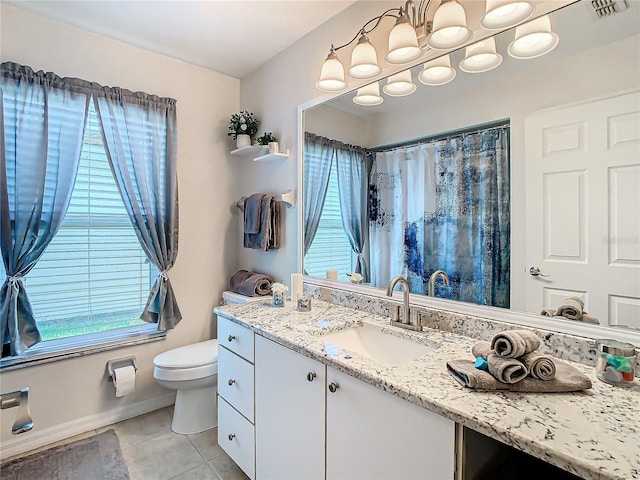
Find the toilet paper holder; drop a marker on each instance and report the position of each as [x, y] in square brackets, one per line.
[120, 362]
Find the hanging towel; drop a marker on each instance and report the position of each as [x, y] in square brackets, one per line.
[252, 213]
[540, 366]
[572, 308]
[515, 343]
[268, 236]
[250, 284]
[567, 379]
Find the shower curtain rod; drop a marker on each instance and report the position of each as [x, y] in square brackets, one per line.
[483, 127]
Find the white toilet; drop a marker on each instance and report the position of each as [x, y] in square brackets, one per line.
[192, 370]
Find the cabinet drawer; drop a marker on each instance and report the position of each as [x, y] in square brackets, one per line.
[236, 437]
[236, 338]
[235, 382]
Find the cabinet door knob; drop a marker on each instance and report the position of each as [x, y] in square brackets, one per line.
[311, 376]
[231, 338]
[333, 387]
[231, 381]
[231, 436]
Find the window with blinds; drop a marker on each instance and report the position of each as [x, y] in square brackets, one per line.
[330, 249]
[94, 276]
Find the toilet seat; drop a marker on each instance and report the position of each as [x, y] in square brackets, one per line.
[189, 362]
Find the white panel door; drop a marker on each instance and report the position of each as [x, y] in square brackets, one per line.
[583, 208]
[289, 414]
[373, 435]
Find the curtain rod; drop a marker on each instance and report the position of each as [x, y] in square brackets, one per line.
[482, 127]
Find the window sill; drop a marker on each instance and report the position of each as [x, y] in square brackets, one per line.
[64, 348]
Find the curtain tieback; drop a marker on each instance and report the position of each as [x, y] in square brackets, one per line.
[13, 280]
[164, 275]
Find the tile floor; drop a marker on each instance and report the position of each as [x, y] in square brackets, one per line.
[153, 452]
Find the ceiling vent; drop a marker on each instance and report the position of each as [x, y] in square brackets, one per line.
[608, 7]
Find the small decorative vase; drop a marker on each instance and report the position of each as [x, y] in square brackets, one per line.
[278, 299]
[243, 140]
[273, 147]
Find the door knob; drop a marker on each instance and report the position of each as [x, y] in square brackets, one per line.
[311, 376]
[333, 387]
[535, 272]
[231, 381]
[231, 338]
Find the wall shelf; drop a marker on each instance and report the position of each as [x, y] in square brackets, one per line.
[271, 156]
[250, 150]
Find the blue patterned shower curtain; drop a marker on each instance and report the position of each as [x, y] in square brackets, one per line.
[445, 204]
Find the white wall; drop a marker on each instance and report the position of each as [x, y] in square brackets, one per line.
[64, 393]
[274, 92]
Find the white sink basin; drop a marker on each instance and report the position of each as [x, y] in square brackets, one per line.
[371, 342]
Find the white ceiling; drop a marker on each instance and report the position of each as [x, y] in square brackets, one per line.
[233, 37]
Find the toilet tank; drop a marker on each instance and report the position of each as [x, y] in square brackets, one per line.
[231, 298]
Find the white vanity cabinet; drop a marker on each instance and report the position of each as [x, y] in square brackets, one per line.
[236, 432]
[370, 434]
[289, 413]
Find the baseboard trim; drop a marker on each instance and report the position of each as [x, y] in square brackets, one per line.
[37, 439]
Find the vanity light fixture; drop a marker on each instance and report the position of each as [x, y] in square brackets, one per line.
[403, 42]
[481, 57]
[331, 74]
[369, 95]
[364, 59]
[533, 39]
[408, 39]
[400, 84]
[437, 72]
[449, 26]
[502, 14]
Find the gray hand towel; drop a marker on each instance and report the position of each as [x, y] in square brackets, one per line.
[548, 312]
[571, 308]
[515, 343]
[540, 366]
[269, 235]
[589, 319]
[250, 284]
[567, 379]
[506, 370]
[482, 349]
[252, 213]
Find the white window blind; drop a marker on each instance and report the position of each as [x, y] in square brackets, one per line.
[330, 249]
[94, 275]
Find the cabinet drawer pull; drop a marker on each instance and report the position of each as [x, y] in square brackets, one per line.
[231, 436]
[333, 387]
[231, 338]
[311, 376]
[231, 381]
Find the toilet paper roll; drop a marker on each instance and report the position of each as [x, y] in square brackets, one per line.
[124, 379]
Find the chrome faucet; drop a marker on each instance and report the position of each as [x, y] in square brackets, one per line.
[432, 280]
[409, 321]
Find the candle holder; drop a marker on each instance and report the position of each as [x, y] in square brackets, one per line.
[304, 304]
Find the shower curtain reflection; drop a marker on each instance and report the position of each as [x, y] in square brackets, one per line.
[444, 204]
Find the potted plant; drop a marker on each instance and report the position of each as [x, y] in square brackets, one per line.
[242, 126]
[268, 138]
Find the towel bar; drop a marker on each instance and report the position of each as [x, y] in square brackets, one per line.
[288, 198]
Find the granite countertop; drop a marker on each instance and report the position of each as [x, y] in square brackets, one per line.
[594, 434]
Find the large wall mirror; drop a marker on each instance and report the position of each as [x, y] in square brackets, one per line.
[568, 189]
